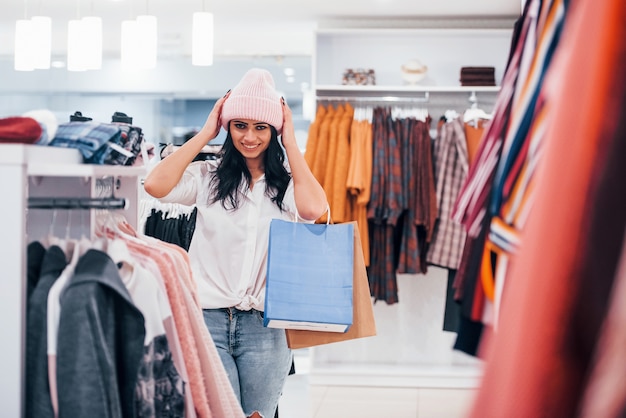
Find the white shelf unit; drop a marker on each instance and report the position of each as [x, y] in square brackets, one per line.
[443, 51]
[422, 357]
[377, 89]
[437, 99]
[37, 171]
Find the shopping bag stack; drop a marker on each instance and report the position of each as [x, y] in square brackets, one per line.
[310, 276]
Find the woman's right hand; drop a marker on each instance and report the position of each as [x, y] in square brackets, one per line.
[167, 173]
[213, 122]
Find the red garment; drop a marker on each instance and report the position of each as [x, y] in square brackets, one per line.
[533, 367]
[19, 130]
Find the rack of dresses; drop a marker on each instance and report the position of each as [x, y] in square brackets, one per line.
[30, 171]
[390, 171]
[43, 187]
[558, 344]
[355, 128]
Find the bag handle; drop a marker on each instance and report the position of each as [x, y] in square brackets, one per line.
[327, 216]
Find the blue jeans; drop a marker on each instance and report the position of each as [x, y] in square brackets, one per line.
[257, 359]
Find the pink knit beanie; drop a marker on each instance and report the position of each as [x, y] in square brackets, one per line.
[255, 97]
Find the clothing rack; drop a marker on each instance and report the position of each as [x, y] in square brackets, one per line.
[376, 99]
[77, 203]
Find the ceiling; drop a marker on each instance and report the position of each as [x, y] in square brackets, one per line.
[272, 34]
[242, 27]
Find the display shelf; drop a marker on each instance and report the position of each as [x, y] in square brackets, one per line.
[59, 162]
[83, 170]
[414, 31]
[436, 99]
[385, 50]
[20, 154]
[338, 88]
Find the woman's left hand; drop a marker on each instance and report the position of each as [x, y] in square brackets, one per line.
[288, 134]
[309, 195]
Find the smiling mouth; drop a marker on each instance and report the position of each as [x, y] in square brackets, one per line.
[250, 146]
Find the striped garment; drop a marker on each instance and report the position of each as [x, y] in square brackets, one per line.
[451, 168]
[87, 137]
[470, 207]
[101, 143]
[498, 192]
[511, 198]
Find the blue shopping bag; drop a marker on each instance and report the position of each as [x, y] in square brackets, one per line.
[309, 276]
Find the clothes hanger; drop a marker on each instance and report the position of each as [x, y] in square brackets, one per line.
[120, 254]
[450, 115]
[78, 117]
[66, 244]
[50, 240]
[358, 110]
[418, 113]
[474, 113]
[70, 245]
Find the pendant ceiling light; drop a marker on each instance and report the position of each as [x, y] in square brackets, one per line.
[75, 46]
[42, 41]
[139, 43]
[202, 39]
[33, 43]
[129, 45]
[84, 42]
[23, 59]
[92, 29]
[147, 33]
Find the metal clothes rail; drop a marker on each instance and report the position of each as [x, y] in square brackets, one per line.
[376, 99]
[77, 203]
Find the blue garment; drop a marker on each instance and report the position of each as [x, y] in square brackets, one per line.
[88, 137]
[101, 143]
[257, 359]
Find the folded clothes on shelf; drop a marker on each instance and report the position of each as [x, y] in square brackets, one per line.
[478, 76]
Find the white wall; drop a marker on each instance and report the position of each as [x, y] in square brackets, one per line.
[98, 94]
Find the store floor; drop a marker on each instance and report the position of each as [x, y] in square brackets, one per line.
[296, 399]
[302, 400]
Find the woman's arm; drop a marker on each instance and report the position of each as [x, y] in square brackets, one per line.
[309, 195]
[168, 172]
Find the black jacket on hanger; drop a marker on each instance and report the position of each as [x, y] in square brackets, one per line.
[38, 403]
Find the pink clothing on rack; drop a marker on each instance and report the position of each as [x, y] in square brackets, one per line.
[164, 261]
[222, 399]
[211, 390]
[183, 265]
[172, 336]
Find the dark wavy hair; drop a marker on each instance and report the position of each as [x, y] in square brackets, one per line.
[232, 170]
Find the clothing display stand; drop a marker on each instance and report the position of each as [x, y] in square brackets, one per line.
[55, 179]
[411, 358]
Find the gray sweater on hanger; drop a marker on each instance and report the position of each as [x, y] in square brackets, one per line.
[100, 342]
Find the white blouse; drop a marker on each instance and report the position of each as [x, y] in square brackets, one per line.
[228, 251]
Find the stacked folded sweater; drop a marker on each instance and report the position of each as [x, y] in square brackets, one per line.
[478, 76]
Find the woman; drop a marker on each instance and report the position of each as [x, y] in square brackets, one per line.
[237, 196]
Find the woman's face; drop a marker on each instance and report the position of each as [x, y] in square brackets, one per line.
[250, 137]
